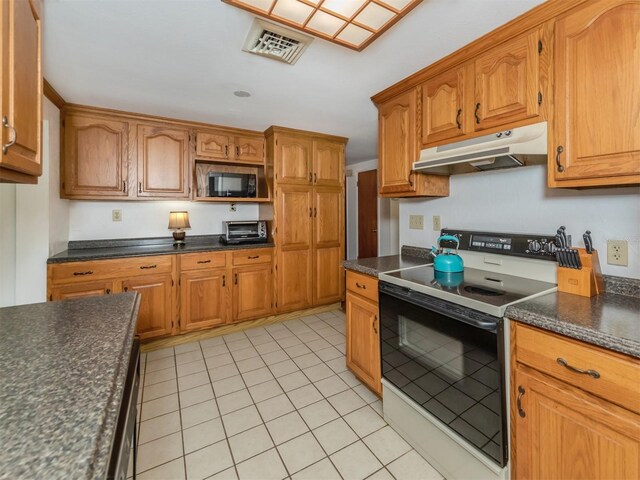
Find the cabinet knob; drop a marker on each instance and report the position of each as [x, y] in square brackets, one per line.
[5, 123]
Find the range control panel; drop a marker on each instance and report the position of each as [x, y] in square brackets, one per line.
[516, 244]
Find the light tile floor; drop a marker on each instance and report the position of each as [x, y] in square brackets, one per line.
[273, 402]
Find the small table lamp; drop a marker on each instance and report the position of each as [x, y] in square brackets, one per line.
[178, 221]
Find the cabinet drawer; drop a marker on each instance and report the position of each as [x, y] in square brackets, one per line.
[250, 257]
[364, 285]
[198, 261]
[76, 272]
[618, 375]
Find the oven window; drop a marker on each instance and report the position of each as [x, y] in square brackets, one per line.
[449, 368]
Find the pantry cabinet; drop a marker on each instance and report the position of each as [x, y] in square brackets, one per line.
[570, 423]
[328, 233]
[363, 330]
[595, 134]
[294, 159]
[21, 91]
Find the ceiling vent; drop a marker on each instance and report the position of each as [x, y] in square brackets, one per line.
[273, 41]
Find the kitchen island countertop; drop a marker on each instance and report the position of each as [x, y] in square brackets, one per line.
[64, 366]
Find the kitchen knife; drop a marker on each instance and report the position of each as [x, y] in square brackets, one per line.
[560, 239]
[569, 254]
[564, 236]
[588, 243]
[576, 255]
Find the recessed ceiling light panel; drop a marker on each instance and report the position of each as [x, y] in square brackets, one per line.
[241, 94]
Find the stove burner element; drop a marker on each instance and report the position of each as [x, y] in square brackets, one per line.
[486, 292]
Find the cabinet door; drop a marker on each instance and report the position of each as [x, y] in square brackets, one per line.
[214, 146]
[363, 341]
[249, 149]
[294, 275]
[252, 292]
[90, 289]
[507, 83]
[568, 434]
[163, 162]
[398, 145]
[203, 297]
[443, 115]
[21, 86]
[293, 159]
[328, 162]
[328, 233]
[95, 159]
[155, 317]
[596, 125]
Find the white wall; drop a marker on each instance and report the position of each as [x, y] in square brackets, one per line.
[92, 220]
[387, 215]
[7, 244]
[518, 200]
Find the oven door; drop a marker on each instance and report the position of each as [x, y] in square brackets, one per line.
[450, 361]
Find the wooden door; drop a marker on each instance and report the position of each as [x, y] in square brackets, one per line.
[294, 275]
[252, 291]
[81, 290]
[213, 146]
[368, 214]
[328, 238]
[155, 316]
[163, 162]
[568, 434]
[398, 146]
[96, 158]
[328, 161]
[293, 159]
[21, 86]
[443, 115]
[363, 340]
[507, 83]
[203, 299]
[249, 149]
[596, 125]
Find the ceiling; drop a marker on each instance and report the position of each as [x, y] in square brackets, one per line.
[183, 59]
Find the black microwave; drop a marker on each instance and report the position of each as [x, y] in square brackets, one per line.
[223, 184]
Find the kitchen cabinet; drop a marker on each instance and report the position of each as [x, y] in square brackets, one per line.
[249, 149]
[252, 291]
[293, 165]
[569, 424]
[443, 106]
[156, 314]
[88, 289]
[96, 156]
[213, 145]
[163, 161]
[328, 233]
[595, 129]
[21, 91]
[363, 330]
[398, 149]
[203, 299]
[328, 162]
[227, 147]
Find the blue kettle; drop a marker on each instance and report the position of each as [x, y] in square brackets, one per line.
[445, 260]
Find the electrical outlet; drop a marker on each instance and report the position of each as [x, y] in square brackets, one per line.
[617, 252]
[416, 222]
[232, 207]
[116, 215]
[436, 223]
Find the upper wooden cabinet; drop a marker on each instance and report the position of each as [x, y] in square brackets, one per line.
[443, 106]
[398, 149]
[227, 147]
[328, 163]
[595, 134]
[163, 161]
[21, 95]
[96, 156]
[293, 159]
[213, 145]
[248, 149]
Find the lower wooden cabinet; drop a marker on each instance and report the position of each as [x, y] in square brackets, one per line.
[90, 289]
[252, 292]
[363, 334]
[568, 424]
[155, 317]
[203, 299]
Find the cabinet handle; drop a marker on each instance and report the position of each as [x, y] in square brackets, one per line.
[364, 287]
[519, 401]
[139, 187]
[203, 261]
[253, 257]
[315, 212]
[88, 272]
[565, 364]
[559, 151]
[375, 324]
[124, 186]
[147, 267]
[5, 123]
[108, 291]
[226, 151]
[315, 178]
[310, 212]
[410, 180]
[224, 280]
[476, 113]
[235, 278]
[126, 289]
[458, 119]
[237, 152]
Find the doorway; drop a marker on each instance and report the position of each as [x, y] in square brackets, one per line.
[368, 214]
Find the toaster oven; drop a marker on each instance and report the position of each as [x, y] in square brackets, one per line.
[253, 231]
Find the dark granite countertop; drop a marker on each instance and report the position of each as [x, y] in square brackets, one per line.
[410, 257]
[610, 320]
[64, 366]
[140, 247]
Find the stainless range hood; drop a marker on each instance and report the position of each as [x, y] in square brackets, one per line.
[507, 149]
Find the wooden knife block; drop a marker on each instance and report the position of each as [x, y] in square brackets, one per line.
[586, 282]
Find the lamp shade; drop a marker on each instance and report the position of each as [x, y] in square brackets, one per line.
[179, 220]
